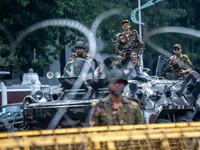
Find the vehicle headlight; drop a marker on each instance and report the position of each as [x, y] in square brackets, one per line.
[1, 125]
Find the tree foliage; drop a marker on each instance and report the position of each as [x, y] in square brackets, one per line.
[17, 15]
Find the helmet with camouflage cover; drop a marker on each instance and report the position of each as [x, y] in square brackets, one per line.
[80, 44]
[115, 74]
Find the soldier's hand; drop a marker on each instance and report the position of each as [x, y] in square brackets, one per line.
[139, 57]
[184, 72]
[170, 67]
[121, 53]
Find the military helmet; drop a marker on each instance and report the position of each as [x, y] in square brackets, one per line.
[115, 74]
[80, 44]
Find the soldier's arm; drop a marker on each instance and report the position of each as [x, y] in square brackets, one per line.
[118, 44]
[141, 46]
[139, 119]
[89, 58]
[169, 66]
[173, 65]
[189, 64]
[94, 117]
[72, 57]
[90, 61]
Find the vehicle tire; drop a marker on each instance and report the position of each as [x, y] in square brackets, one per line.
[196, 118]
[163, 121]
[183, 119]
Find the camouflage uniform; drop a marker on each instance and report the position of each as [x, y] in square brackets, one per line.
[74, 55]
[103, 114]
[177, 65]
[131, 46]
[74, 67]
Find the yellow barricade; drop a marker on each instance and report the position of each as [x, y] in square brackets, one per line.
[142, 137]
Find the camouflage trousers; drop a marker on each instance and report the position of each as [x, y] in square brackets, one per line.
[132, 56]
[175, 75]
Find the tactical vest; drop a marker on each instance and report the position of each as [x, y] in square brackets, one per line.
[107, 104]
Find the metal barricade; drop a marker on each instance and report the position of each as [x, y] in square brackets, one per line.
[153, 136]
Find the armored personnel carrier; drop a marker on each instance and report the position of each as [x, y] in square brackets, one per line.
[161, 100]
[70, 106]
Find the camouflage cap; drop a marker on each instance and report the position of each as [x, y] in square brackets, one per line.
[125, 21]
[177, 45]
[115, 74]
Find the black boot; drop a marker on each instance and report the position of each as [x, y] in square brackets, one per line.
[139, 76]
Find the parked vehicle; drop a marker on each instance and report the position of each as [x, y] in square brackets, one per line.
[11, 117]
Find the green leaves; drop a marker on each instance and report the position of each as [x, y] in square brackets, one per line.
[18, 15]
[23, 3]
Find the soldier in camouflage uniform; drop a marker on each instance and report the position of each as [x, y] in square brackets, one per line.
[179, 65]
[80, 47]
[116, 109]
[129, 45]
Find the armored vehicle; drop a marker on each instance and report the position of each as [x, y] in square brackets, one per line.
[70, 106]
[161, 100]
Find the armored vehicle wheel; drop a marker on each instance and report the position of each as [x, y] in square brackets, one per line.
[163, 121]
[183, 119]
[196, 118]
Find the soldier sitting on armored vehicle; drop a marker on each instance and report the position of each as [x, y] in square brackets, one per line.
[116, 109]
[80, 53]
[179, 65]
[74, 69]
[76, 60]
[129, 46]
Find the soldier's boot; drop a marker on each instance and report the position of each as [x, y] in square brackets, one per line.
[139, 75]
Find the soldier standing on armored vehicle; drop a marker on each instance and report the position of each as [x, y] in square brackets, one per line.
[129, 46]
[179, 65]
[116, 109]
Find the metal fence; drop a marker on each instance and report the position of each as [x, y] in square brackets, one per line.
[153, 136]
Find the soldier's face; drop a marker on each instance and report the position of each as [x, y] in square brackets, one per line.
[177, 50]
[79, 51]
[116, 87]
[126, 26]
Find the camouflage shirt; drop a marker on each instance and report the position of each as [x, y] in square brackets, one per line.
[74, 55]
[133, 42]
[103, 114]
[178, 64]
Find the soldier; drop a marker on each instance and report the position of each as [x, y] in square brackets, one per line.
[179, 65]
[80, 47]
[116, 109]
[129, 45]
